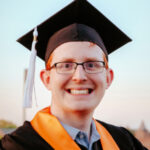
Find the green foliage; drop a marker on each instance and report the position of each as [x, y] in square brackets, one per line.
[1, 136]
[7, 124]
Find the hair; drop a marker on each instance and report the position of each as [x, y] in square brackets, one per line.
[48, 64]
[105, 61]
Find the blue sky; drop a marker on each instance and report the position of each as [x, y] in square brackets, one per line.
[127, 102]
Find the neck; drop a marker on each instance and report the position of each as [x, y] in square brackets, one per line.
[77, 119]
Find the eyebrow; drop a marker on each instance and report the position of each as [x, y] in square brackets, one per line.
[91, 59]
[85, 59]
[67, 60]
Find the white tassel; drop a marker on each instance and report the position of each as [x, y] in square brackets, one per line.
[30, 74]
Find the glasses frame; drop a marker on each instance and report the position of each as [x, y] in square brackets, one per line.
[82, 64]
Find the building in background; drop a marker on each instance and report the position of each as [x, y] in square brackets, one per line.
[143, 135]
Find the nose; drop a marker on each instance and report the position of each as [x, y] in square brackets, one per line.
[79, 74]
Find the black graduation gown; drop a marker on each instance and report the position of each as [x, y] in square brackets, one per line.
[25, 138]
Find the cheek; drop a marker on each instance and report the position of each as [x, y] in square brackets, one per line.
[100, 81]
[58, 81]
[100, 78]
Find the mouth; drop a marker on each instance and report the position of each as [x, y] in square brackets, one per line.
[80, 91]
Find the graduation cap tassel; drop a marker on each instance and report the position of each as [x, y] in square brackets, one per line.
[30, 74]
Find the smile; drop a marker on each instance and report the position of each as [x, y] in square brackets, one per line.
[80, 91]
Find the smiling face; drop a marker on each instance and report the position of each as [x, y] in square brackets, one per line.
[77, 91]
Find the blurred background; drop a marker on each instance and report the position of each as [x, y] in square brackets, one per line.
[127, 101]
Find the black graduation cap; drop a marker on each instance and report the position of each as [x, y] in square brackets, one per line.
[82, 12]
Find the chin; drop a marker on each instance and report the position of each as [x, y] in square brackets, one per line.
[82, 107]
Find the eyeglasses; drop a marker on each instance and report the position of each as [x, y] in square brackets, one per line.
[90, 67]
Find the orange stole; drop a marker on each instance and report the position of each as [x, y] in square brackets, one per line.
[49, 128]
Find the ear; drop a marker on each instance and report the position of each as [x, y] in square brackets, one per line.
[45, 78]
[110, 77]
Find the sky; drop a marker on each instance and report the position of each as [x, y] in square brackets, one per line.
[126, 102]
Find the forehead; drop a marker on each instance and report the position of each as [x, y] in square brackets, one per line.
[77, 51]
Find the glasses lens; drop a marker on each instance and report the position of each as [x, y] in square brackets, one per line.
[65, 67]
[93, 67]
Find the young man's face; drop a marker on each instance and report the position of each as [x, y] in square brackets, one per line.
[70, 92]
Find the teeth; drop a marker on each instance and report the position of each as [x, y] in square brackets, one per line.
[79, 91]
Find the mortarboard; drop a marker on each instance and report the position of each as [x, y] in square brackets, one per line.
[78, 15]
[82, 12]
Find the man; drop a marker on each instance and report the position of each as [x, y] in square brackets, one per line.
[77, 74]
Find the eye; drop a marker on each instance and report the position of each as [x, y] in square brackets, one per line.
[93, 65]
[90, 64]
[67, 65]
